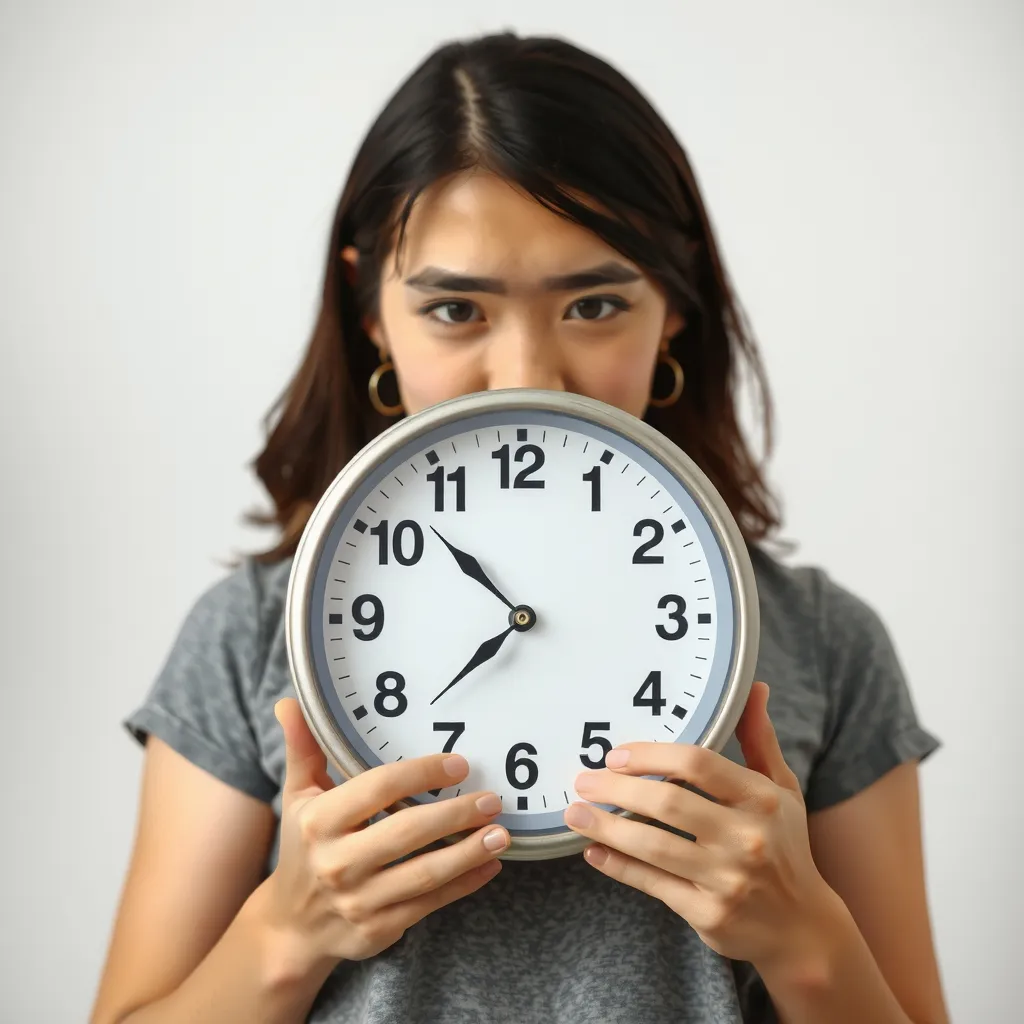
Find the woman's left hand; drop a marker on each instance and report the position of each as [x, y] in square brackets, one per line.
[748, 884]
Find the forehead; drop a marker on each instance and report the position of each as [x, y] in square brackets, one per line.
[479, 223]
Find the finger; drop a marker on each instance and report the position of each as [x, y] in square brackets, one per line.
[663, 801]
[349, 806]
[710, 772]
[671, 853]
[759, 741]
[676, 893]
[420, 876]
[305, 760]
[359, 854]
[403, 915]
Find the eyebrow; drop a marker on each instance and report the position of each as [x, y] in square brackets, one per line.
[439, 279]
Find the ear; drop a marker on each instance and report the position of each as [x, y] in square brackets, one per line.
[350, 263]
[371, 325]
[674, 323]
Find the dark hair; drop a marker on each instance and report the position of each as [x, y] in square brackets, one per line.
[558, 122]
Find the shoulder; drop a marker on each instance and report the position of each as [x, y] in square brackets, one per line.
[853, 688]
[207, 700]
[807, 600]
[239, 613]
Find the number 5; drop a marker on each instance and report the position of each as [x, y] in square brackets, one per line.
[589, 739]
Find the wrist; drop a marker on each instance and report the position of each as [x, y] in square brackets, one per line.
[287, 958]
[810, 957]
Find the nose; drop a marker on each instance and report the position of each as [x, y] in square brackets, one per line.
[525, 358]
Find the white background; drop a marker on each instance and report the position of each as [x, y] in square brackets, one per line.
[168, 177]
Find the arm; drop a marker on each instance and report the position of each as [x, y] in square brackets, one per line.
[188, 942]
[873, 958]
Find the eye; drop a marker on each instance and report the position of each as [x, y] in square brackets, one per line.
[598, 307]
[457, 311]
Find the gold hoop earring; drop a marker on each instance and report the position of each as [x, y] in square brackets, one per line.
[672, 363]
[374, 388]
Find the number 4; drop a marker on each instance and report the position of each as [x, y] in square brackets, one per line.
[655, 702]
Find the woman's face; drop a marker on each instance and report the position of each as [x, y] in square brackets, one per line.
[496, 291]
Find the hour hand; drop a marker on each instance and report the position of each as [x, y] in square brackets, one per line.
[471, 567]
[487, 650]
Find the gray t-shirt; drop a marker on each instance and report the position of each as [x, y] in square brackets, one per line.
[553, 941]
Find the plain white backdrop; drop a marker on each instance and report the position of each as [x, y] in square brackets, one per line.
[168, 177]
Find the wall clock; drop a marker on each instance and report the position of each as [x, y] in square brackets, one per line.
[527, 578]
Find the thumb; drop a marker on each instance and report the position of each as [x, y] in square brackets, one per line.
[759, 742]
[305, 762]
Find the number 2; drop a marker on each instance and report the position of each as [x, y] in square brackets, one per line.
[640, 556]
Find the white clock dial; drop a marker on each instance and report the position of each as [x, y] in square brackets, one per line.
[528, 589]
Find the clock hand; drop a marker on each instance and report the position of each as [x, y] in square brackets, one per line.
[471, 567]
[487, 650]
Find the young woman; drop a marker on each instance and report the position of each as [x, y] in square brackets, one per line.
[257, 891]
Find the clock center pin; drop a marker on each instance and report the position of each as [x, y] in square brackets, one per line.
[522, 618]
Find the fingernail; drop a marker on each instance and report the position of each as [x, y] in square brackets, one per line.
[616, 759]
[490, 803]
[578, 816]
[496, 839]
[585, 782]
[596, 855]
[455, 765]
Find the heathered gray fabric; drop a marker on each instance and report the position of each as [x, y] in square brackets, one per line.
[554, 941]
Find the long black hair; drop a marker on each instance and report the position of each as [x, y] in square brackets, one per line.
[578, 136]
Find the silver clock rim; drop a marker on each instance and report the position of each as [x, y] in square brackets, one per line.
[739, 678]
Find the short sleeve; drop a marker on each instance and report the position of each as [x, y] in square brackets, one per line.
[872, 724]
[200, 701]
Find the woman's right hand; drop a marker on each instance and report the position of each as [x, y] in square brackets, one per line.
[333, 893]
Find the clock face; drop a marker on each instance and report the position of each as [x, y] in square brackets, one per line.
[528, 589]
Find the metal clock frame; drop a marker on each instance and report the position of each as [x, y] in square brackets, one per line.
[739, 678]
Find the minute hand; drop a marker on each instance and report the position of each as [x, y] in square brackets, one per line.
[487, 650]
[471, 567]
